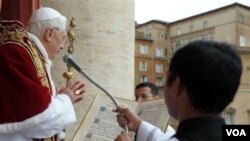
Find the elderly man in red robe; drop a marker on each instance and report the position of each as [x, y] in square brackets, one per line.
[31, 108]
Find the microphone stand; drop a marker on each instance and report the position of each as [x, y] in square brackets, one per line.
[106, 92]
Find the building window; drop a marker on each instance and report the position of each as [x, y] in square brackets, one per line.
[228, 118]
[248, 116]
[149, 35]
[241, 19]
[159, 82]
[205, 37]
[178, 32]
[143, 79]
[159, 52]
[191, 39]
[177, 45]
[229, 115]
[143, 49]
[242, 41]
[159, 68]
[166, 36]
[143, 66]
[248, 69]
[205, 25]
[191, 28]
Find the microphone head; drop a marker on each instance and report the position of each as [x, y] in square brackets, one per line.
[66, 57]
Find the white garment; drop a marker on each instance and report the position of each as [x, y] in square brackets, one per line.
[59, 115]
[170, 131]
[148, 132]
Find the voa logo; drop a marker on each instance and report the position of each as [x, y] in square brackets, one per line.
[236, 132]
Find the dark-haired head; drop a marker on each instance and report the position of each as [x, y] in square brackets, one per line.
[154, 89]
[146, 91]
[210, 72]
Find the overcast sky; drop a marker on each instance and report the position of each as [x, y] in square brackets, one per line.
[172, 10]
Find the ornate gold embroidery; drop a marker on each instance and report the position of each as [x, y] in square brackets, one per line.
[13, 32]
[45, 81]
[48, 139]
[37, 59]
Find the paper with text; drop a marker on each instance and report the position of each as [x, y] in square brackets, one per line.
[154, 112]
[100, 123]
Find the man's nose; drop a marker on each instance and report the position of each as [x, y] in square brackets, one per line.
[140, 99]
[62, 47]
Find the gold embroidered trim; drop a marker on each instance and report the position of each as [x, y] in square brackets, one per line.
[11, 31]
[14, 32]
[53, 138]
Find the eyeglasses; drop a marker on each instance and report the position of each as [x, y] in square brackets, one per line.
[143, 97]
[64, 37]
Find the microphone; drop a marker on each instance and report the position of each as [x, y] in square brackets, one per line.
[68, 59]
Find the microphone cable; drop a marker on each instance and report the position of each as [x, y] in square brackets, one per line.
[69, 60]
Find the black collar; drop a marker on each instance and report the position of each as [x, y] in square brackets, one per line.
[206, 124]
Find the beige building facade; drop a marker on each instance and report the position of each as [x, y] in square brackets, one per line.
[150, 53]
[228, 24]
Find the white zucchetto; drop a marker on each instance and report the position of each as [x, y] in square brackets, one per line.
[44, 13]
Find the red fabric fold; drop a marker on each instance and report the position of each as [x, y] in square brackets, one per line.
[22, 93]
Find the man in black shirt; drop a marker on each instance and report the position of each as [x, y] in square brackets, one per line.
[202, 79]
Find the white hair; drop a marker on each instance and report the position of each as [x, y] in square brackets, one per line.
[38, 28]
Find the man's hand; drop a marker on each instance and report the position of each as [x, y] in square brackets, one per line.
[126, 116]
[74, 90]
[123, 137]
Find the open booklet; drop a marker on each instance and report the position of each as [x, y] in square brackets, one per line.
[100, 123]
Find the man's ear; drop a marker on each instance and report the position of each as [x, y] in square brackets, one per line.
[48, 34]
[178, 86]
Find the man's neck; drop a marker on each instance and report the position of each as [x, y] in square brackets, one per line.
[188, 113]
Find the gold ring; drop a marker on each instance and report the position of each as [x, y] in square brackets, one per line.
[77, 92]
